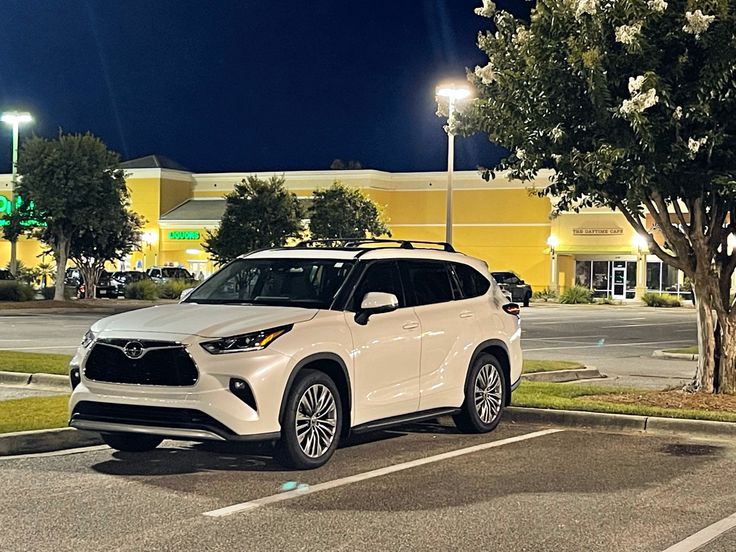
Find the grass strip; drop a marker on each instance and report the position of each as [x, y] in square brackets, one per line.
[33, 413]
[574, 397]
[533, 366]
[34, 363]
[685, 351]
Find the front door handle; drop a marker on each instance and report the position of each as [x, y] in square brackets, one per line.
[410, 325]
[466, 314]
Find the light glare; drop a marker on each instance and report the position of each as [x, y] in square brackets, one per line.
[15, 117]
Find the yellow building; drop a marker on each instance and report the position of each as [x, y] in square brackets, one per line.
[501, 222]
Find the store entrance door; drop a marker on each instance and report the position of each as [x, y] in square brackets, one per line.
[619, 279]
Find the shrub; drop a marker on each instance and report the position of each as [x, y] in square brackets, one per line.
[607, 301]
[14, 290]
[145, 289]
[49, 291]
[173, 288]
[546, 295]
[576, 294]
[661, 300]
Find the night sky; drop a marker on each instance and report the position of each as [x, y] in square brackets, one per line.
[249, 85]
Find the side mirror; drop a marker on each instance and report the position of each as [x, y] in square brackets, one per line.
[375, 302]
[185, 293]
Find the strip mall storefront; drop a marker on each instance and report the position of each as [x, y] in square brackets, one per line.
[500, 222]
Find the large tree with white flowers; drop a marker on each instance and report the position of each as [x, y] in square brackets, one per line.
[633, 103]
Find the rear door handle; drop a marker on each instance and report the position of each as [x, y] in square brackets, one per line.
[466, 314]
[410, 325]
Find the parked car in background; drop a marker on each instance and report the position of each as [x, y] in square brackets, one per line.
[104, 288]
[6, 275]
[123, 278]
[168, 273]
[520, 291]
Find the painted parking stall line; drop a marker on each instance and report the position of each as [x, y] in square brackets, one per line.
[704, 536]
[297, 493]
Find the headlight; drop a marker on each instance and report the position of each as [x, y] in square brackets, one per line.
[88, 338]
[247, 342]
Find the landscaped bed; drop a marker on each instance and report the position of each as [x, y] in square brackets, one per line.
[33, 413]
[534, 366]
[34, 363]
[685, 351]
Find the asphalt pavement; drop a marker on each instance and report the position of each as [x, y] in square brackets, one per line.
[522, 488]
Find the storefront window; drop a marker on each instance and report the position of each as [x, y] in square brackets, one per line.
[630, 279]
[654, 271]
[669, 279]
[600, 278]
[582, 273]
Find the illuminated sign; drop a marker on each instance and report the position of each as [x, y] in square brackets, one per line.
[6, 208]
[183, 235]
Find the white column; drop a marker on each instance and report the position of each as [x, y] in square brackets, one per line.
[554, 272]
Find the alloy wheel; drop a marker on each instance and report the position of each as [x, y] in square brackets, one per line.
[488, 393]
[316, 420]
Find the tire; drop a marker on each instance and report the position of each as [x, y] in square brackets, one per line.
[310, 441]
[482, 414]
[131, 442]
[527, 298]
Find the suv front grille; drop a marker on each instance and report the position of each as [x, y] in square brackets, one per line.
[158, 363]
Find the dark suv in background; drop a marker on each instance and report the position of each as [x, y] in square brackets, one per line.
[520, 291]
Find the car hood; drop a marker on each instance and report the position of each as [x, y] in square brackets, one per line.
[203, 320]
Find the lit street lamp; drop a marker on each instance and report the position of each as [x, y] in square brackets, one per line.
[15, 118]
[452, 93]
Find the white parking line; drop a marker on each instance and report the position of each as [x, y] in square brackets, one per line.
[64, 452]
[704, 536]
[288, 495]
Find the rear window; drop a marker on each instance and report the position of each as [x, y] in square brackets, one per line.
[427, 282]
[472, 282]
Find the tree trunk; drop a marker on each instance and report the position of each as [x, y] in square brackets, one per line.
[706, 370]
[61, 253]
[726, 382]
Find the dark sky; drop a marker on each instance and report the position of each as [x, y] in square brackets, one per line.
[249, 85]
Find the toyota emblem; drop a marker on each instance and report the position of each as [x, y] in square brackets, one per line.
[133, 349]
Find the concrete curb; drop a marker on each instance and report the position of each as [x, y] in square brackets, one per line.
[46, 440]
[46, 381]
[681, 356]
[654, 425]
[563, 376]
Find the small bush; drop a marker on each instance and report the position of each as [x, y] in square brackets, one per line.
[576, 294]
[173, 288]
[145, 289]
[14, 290]
[607, 301]
[546, 295]
[661, 300]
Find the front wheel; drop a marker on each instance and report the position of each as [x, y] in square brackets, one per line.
[131, 442]
[485, 396]
[310, 429]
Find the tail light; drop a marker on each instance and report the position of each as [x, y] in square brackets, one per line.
[512, 308]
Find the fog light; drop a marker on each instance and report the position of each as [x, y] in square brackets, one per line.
[75, 376]
[241, 389]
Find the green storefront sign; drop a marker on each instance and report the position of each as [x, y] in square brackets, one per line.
[183, 235]
[6, 208]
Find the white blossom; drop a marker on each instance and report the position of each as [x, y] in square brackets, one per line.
[635, 84]
[639, 102]
[586, 7]
[677, 115]
[486, 74]
[557, 133]
[657, 5]
[522, 35]
[488, 9]
[556, 157]
[628, 34]
[695, 145]
[520, 154]
[697, 23]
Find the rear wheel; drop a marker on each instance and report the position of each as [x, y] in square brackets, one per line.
[527, 298]
[131, 442]
[485, 396]
[310, 429]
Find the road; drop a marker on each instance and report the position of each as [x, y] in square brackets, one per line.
[565, 490]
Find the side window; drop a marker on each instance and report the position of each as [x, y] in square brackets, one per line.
[381, 276]
[427, 282]
[472, 283]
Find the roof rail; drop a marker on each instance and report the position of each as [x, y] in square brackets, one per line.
[355, 243]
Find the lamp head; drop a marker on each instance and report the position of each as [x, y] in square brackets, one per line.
[16, 117]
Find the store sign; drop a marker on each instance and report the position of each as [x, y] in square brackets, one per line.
[597, 231]
[183, 235]
[6, 208]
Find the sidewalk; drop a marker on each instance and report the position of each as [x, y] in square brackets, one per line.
[89, 306]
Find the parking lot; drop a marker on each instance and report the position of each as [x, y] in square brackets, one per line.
[523, 487]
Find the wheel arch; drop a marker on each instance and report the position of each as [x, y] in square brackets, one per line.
[334, 366]
[500, 350]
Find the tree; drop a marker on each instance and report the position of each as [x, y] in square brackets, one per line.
[342, 212]
[68, 179]
[258, 213]
[633, 104]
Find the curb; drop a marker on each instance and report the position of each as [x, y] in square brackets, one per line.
[46, 440]
[682, 356]
[653, 425]
[46, 381]
[563, 376]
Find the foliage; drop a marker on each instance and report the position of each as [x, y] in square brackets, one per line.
[69, 180]
[32, 363]
[172, 289]
[258, 213]
[15, 290]
[534, 366]
[49, 292]
[546, 295]
[343, 212]
[34, 413]
[22, 273]
[633, 104]
[576, 294]
[145, 289]
[661, 300]
[607, 301]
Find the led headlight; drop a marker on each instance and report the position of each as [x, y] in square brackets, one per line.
[88, 338]
[247, 342]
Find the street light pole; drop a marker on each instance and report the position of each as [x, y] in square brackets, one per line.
[14, 118]
[452, 93]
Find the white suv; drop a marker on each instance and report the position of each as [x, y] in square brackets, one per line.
[304, 345]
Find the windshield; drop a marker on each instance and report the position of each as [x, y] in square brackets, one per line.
[175, 273]
[283, 282]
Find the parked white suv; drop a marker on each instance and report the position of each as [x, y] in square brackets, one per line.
[303, 346]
